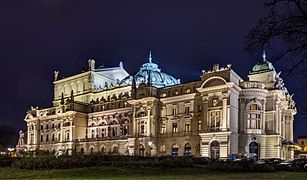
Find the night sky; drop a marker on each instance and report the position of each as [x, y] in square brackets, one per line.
[40, 36]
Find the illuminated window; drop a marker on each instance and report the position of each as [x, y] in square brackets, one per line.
[175, 111]
[199, 125]
[187, 127]
[162, 148]
[175, 128]
[163, 129]
[253, 117]
[215, 117]
[254, 107]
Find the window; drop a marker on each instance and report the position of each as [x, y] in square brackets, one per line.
[187, 150]
[162, 148]
[175, 150]
[187, 127]
[163, 129]
[42, 127]
[52, 126]
[32, 138]
[126, 130]
[52, 139]
[174, 111]
[67, 137]
[215, 117]
[175, 128]
[47, 138]
[200, 108]
[59, 136]
[114, 131]
[42, 138]
[254, 107]
[187, 110]
[142, 128]
[93, 133]
[47, 127]
[253, 120]
[302, 142]
[199, 125]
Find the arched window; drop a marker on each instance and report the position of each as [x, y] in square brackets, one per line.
[92, 150]
[187, 149]
[215, 150]
[175, 150]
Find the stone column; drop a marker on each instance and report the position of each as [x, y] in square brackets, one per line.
[291, 128]
[263, 117]
[62, 131]
[148, 123]
[29, 136]
[70, 131]
[224, 113]
[205, 124]
[35, 134]
[133, 122]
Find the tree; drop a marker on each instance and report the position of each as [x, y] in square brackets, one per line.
[283, 30]
[8, 137]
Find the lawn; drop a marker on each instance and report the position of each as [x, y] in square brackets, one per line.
[119, 173]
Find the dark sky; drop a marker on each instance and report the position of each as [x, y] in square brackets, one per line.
[40, 36]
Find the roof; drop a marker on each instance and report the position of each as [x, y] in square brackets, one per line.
[262, 66]
[150, 73]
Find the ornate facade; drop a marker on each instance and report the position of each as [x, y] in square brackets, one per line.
[151, 113]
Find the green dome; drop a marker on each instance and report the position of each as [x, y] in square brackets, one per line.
[263, 66]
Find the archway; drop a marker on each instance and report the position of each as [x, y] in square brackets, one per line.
[82, 150]
[187, 149]
[175, 150]
[215, 150]
[254, 150]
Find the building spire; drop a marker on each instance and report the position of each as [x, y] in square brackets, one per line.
[150, 59]
[264, 56]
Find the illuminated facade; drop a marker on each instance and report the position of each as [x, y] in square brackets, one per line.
[107, 110]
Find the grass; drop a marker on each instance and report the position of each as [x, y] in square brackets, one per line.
[120, 173]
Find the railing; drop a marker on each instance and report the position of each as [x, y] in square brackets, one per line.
[252, 84]
[103, 138]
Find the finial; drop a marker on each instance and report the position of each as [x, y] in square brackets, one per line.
[121, 64]
[150, 59]
[263, 55]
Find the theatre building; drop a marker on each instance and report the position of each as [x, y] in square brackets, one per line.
[151, 113]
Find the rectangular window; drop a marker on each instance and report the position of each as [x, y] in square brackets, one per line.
[187, 110]
[215, 117]
[199, 125]
[174, 111]
[126, 130]
[163, 129]
[187, 127]
[302, 142]
[175, 128]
